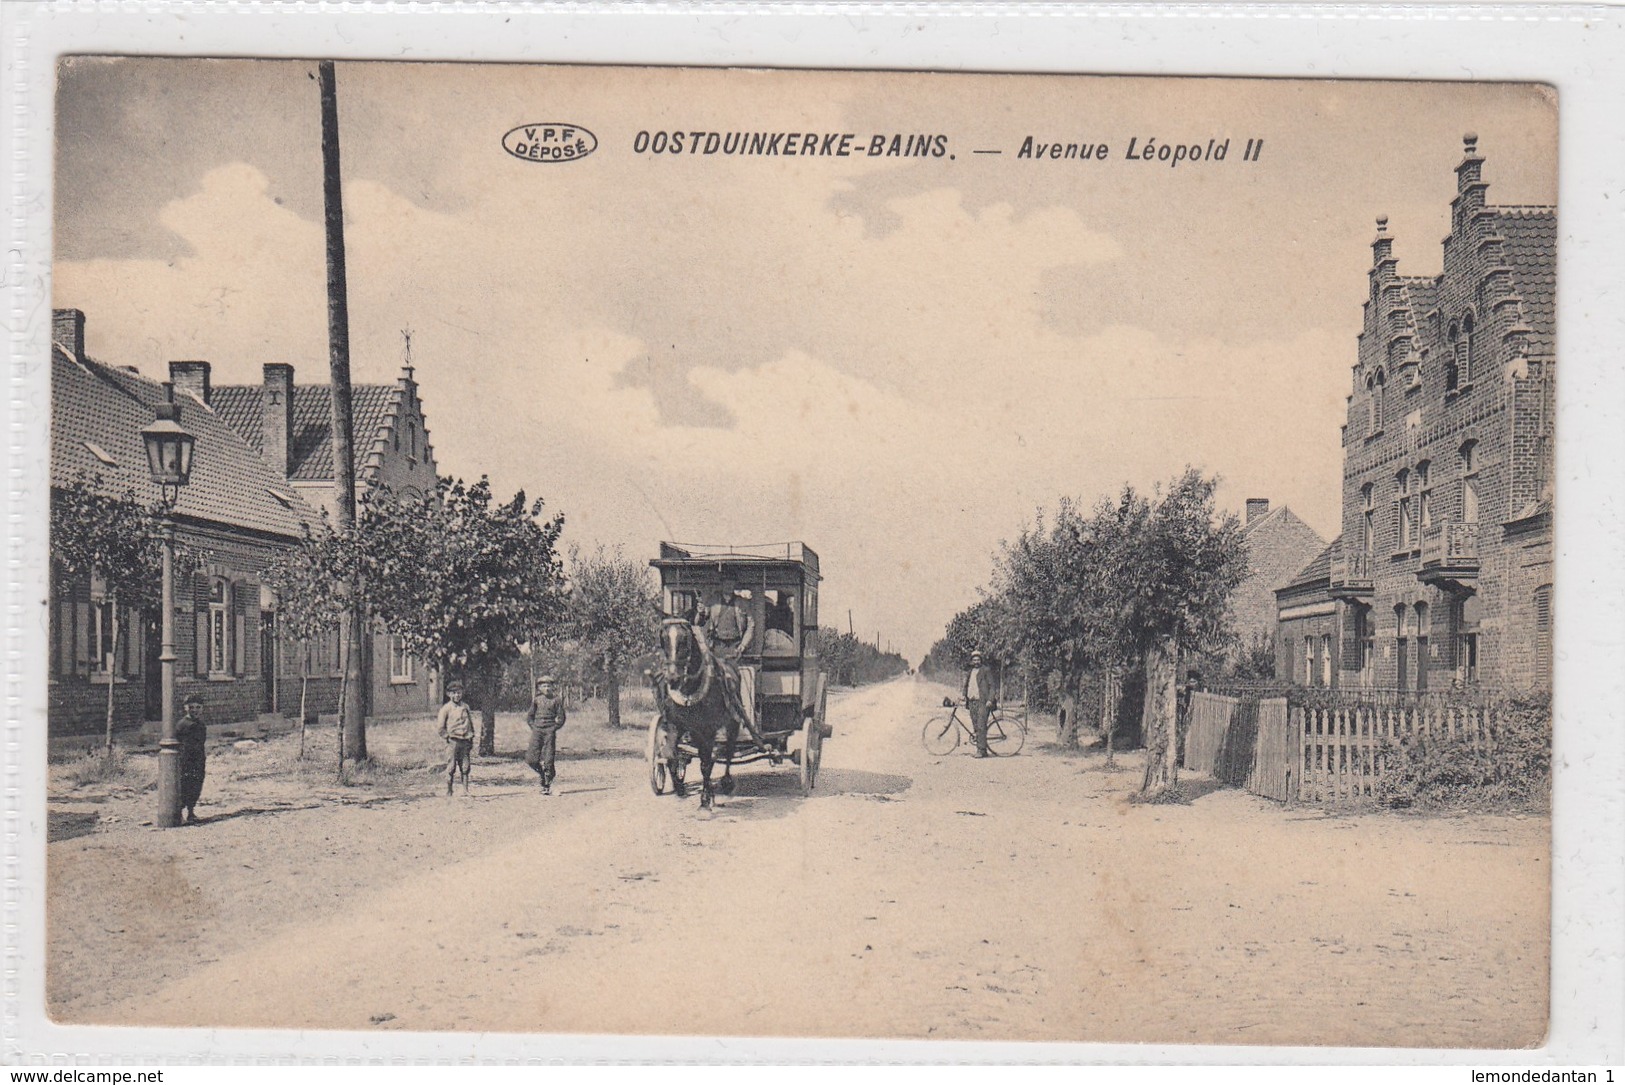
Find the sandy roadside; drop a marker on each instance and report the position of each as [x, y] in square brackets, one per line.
[911, 896]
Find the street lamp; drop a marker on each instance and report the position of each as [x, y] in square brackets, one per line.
[169, 458]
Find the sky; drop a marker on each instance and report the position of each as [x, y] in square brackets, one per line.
[896, 360]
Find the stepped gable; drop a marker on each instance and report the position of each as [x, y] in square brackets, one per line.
[102, 406]
[373, 406]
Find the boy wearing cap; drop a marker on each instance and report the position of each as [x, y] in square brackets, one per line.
[545, 717]
[193, 735]
[457, 728]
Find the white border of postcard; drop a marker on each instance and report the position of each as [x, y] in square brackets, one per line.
[1575, 49]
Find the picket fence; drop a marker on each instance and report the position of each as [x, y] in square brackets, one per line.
[1335, 753]
[1343, 749]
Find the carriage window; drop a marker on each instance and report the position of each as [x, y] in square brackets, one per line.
[779, 623]
[681, 603]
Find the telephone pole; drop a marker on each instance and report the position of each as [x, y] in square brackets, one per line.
[338, 361]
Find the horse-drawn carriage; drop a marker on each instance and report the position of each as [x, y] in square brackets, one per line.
[772, 639]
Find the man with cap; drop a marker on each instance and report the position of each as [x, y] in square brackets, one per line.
[545, 717]
[193, 735]
[457, 728]
[981, 698]
[729, 631]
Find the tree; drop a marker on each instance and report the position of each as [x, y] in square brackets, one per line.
[463, 581]
[312, 583]
[110, 538]
[614, 615]
[1175, 570]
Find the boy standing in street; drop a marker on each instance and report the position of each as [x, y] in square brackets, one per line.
[457, 728]
[194, 739]
[545, 717]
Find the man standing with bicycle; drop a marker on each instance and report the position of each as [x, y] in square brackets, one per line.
[981, 698]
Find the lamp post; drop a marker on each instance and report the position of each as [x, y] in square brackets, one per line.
[169, 458]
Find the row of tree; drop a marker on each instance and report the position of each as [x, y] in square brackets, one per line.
[1088, 596]
[849, 661]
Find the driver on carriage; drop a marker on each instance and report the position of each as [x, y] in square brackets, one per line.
[727, 629]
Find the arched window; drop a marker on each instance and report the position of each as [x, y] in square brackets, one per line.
[1379, 402]
[1466, 363]
[1368, 524]
[1452, 366]
[1422, 650]
[1370, 406]
[1424, 495]
[1402, 644]
[1469, 482]
[1402, 508]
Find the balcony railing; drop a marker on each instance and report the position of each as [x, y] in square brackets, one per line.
[1450, 547]
[1351, 574]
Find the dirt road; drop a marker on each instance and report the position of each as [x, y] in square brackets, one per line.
[911, 896]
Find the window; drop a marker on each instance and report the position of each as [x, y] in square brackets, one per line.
[219, 627]
[1469, 482]
[1309, 661]
[1368, 529]
[402, 666]
[780, 626]
[1368, 647]
[1402, 643]
[1452, 365]
[1424, 496]
[1466, 347]
[1543, 634]
[1402, 507]
[1376, 388]
[1326, 659]
[1421, 647]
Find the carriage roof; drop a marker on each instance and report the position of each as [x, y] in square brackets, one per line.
[736, 558]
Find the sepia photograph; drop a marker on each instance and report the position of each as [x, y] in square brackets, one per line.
[884, 555]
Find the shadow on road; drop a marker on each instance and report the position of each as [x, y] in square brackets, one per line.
[759, 795]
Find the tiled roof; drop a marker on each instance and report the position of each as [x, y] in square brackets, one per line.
[1531, 252]
[1317, 570]
[94, 404]
[372, 406]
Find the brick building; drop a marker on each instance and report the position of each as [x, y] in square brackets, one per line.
[236, 512]
[1278, 545]
[291, 427]
[263, 471]
[1443, 572]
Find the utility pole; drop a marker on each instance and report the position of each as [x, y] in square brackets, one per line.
[850, 631]
[354, 721]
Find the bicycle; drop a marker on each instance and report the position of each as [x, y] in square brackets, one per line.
[1006, 732]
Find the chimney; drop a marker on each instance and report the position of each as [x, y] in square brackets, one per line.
[276, 405]
[68, 331]
[191, 377]
[1257, 509]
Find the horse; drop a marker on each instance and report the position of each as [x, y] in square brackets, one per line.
[693, 701]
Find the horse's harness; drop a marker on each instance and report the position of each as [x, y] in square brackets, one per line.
[690, 696]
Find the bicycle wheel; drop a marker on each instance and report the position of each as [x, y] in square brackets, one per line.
[941, 735]
[1005, 734]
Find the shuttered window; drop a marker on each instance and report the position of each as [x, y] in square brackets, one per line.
[1543, 632]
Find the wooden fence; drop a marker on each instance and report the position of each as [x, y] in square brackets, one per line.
[1343, 749]
[1245, 743]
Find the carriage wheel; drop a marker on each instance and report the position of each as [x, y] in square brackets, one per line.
[658, 774]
